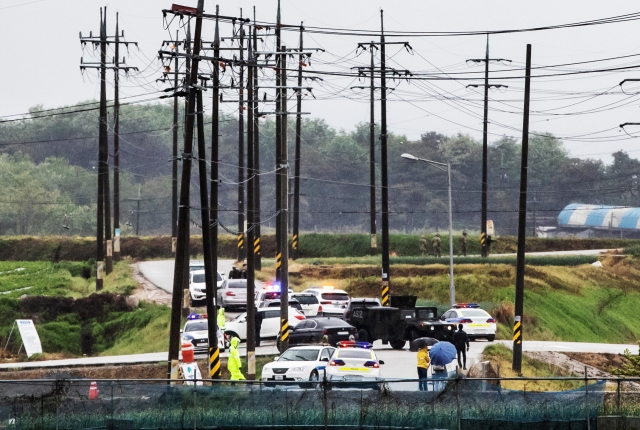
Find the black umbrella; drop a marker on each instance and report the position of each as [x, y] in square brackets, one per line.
[421, 343]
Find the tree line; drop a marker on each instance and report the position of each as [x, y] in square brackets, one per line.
[48, 166]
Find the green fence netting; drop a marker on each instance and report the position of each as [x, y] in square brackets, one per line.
[151, 404]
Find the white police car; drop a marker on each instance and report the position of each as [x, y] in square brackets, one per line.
[196, 331]
[476, 322]
[354, 360]
[301, 363]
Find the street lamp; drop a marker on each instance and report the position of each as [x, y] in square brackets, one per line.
[452, 288]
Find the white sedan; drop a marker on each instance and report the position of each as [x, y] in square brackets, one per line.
[301, 363]
[476, 322]
[270, 323]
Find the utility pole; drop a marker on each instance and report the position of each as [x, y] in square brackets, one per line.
[103, 224]
[256, 159]
[215, 370]
[383, 151]
[183, 210]
[116, 138]
[174, 159]
[297, 161]
[383, 167]
[241, 108]
[279, 132]
[283, 174]
[251, 174]
[101, 43]
[522, 225]
[484, 243]
[372, 159]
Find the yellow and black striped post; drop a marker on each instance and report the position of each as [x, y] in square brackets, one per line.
[214, 362]
[517, 332]
[483, 239]
[240, 241]
[256, 246]
[284, 334]
[385, 293]
[294, 242]
[278, 260]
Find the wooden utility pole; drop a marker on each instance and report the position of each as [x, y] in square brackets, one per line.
[251, 174]
[383, 167]
[183, 210]
[241, 108]
[297, 160]
[485, 243]
[116, 148]
[283, 174]
[522, 225]
[372, 159]
[174, 159]
[256, 160]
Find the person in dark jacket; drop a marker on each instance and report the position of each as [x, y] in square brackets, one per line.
[460, 340]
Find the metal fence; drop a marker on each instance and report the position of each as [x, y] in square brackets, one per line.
[455, 402]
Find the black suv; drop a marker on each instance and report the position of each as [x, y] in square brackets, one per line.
[399, 322]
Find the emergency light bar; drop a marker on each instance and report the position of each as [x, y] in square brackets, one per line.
[466, 305]
[197, 317]
[352, 344]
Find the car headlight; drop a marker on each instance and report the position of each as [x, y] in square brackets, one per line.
[298, 369]
[266, 370]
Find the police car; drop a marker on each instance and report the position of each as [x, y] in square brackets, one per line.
[301, 363]
[476, 322]
[354, 361]
[196, 331]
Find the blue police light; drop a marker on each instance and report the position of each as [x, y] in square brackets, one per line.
[197, 316]
[352, 344]
[466, 305]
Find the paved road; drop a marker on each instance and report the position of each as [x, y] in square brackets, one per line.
[160, 272]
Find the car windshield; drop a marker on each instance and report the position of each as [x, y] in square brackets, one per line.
[426, 314]
[335, 296]
[473, 313]
[299, 355]
[196, 326]
[307, 300]
[241, 283]
[355, 353]
[198, 278]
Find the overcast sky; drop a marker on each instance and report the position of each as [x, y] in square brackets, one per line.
[42, 54]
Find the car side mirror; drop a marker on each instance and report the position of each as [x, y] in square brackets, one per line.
[276, 358]
[442, 318]
[380, 362]
[325, 359]
[181, 331]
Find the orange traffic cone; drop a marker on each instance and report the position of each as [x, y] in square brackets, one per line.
[93, 390]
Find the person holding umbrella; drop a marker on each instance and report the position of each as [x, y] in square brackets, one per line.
[422, 346]
[440, 355]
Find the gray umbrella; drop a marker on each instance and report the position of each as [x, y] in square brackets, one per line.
[421, 343]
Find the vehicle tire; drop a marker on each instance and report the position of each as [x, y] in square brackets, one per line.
[232, 334]
[363, 336]
[491, 338]
[314, 377]
[397, 344]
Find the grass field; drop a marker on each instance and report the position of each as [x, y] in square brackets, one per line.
[579, 303]
[501, 357]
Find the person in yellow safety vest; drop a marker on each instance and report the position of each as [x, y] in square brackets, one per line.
[222, 321]
[423, 366]
[233, 362]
